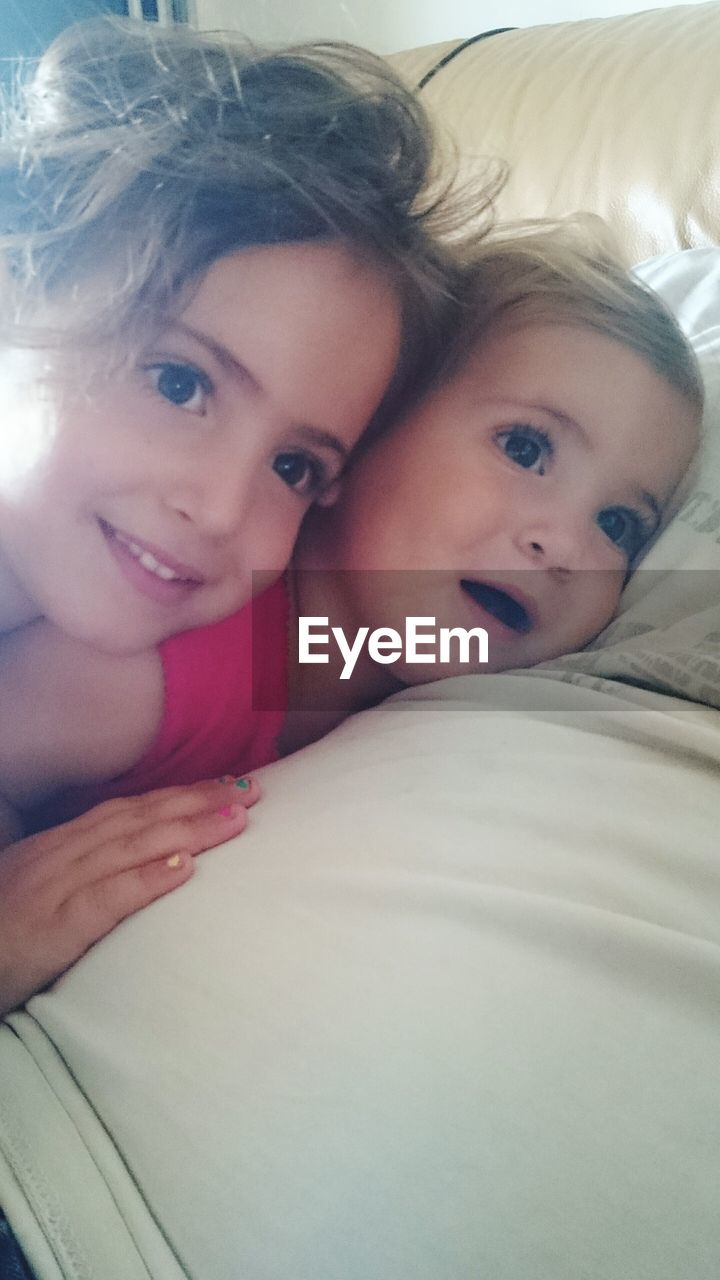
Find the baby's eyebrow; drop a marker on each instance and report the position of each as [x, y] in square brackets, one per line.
[562, 419]
[649, 500]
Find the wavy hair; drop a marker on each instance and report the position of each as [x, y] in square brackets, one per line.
[137, 155]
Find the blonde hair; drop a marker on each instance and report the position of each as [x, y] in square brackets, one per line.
[567, 273]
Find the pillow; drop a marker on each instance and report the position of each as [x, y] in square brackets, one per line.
[666, 636]
[617, 115]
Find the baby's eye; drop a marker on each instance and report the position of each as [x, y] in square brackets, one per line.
[528, 447]
[303, 473]
[624, 528]
[181, 384]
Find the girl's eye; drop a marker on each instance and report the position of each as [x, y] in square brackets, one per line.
[528, 447]
[624, 528]
[302, 473]
[181, 385]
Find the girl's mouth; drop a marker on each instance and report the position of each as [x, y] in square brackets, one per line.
[160, 577]
[500, 604]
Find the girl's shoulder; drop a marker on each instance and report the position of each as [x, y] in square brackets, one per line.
[69, 714]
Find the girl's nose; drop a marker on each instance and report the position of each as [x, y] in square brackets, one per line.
[215, 495]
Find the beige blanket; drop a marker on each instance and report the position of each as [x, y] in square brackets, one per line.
[449, 1010]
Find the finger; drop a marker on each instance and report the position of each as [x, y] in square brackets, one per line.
[123, 817]
[139, 839]
[246, 789]
[95, 909]
[92, 913]
[165, 800]
[52, 925]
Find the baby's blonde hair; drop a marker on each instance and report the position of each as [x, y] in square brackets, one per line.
[567, 274]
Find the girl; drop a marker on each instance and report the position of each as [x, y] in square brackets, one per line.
[516, 497]
[215, 273]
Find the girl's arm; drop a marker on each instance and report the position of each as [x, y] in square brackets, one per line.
[67, 716]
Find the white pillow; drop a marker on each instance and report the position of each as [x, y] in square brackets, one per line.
[667, 634]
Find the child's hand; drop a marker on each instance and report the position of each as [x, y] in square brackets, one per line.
[62, 890]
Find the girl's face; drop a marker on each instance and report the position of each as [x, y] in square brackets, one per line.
[137, 505]
[518, 494]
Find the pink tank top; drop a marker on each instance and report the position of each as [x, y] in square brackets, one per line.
[225, 703]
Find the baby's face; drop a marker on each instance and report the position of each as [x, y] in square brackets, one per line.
[518, 493]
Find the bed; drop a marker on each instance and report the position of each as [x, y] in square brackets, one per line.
[451, 1008]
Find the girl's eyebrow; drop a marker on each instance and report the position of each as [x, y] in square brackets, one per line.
[323, 439]
[236, 369]
[224, 357]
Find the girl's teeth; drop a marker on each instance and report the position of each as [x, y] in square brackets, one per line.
[149, 562]
[161, 570]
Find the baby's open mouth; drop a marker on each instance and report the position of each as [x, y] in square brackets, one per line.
[503, 606]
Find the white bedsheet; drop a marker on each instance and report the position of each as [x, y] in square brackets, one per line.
[449, 1010]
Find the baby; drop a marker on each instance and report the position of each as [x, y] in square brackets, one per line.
[520, 493]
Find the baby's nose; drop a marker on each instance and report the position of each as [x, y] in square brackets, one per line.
[557, 542]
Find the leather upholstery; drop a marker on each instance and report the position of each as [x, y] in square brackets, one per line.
[617, 116]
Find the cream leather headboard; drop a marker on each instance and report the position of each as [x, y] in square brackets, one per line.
[618, 116]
